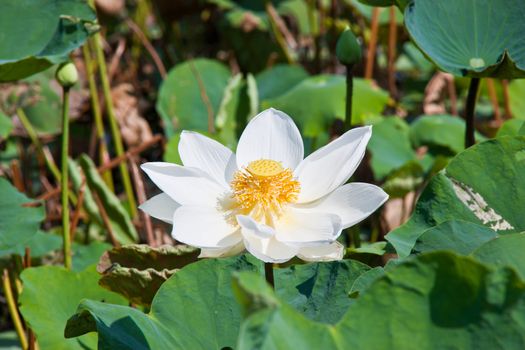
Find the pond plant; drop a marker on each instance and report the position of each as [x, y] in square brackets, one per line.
[277, 174]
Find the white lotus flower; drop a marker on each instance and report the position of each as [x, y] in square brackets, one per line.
[266, 198]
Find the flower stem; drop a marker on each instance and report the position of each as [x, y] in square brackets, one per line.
[349, 94]
[95, 106]
[11, 303]
[268, 273]
[469, 111]
[65, 180]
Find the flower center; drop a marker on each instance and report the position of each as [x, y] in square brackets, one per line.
[263, 189]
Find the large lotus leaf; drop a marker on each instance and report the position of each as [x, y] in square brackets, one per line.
[477, 186]
[435, 301]
[190, 92]
[516, 97]
[482, 38]
[38, 34]
[317, 101]
[137, 271]
[51, 295]
[121, 224]
[278, 80]
[319, 290]
[461, 237]
[504, 251]
[390, 146]
[18, 224]
[196, 309]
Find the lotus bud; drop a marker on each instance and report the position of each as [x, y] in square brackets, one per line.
[348, 50]
[66, 74]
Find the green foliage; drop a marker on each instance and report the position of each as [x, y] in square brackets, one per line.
[470, 38]
[6, 126]
[207, 286]
[316, 102]
[18, 224]
[461, 237]
[51, 295]
[137, 271]
[316, 290]
[517, 103]
[467, 191]
[504, 251]
[434, 301]
[443, 134]
[278, 80]
[190, 92]
[194, 309]
[390, 146]
[33, 40]
[121, 224]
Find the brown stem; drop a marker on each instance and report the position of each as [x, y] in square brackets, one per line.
[452, 95]
[506, 99]
[78, 209]
[105, 220]
[494, 99]
[372, 44]
[141, 196]
[148, 46]
[111, 164]
[392, 42]
[18, 179]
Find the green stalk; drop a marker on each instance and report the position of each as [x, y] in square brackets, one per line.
[349, 94]
[65, 179]
[115, 132]
[99, 124]
[268, 274]
[470, 107]
[13, 311]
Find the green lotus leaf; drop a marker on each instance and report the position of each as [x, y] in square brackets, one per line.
[51, 295]
[190, 92]
[504, 251]
[390, 146]
[18, 224]
[34, 40]
[196, 307]
[470, 38]
[434, 301]
[461, 237]
[477, 186]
